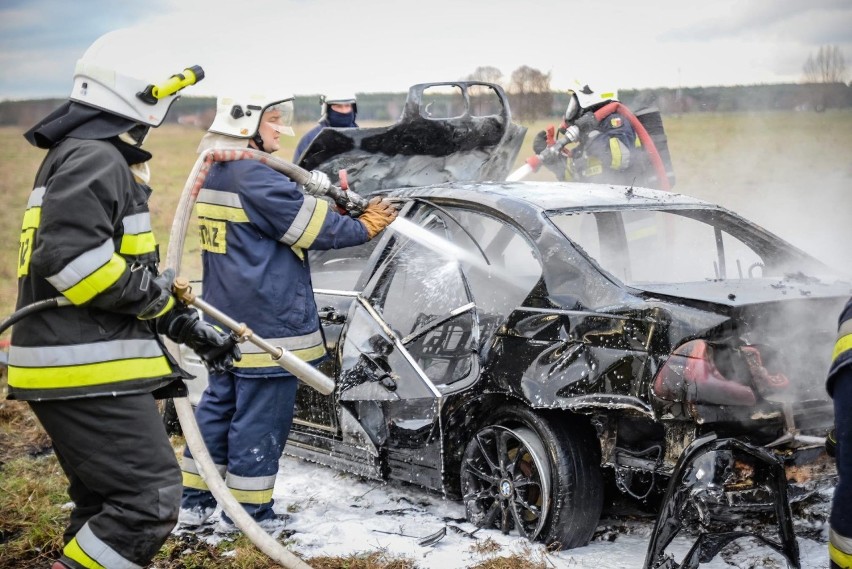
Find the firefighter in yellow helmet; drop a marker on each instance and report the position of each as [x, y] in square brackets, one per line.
[91, 370]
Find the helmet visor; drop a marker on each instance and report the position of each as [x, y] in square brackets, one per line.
[279, 116]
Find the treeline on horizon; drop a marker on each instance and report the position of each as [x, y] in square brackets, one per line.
[199, 111]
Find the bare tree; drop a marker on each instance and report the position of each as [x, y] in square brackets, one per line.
[487, 74]
[829, 66]
[530, 92]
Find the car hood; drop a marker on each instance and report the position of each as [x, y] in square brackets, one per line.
[739, 293]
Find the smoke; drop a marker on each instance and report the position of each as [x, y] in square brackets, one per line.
[788, 172]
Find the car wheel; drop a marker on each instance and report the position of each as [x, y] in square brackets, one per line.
[170, 418]
[536, 477]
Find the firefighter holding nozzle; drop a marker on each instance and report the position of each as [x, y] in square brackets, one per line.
[613, 146]
[257, 227]
[91, 368]
[839, 386]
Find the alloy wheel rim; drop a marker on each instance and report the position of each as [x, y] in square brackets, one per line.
[506, 481]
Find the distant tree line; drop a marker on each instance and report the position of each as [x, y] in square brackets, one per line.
[531, 97]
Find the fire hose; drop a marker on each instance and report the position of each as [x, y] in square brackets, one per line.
[555, 147]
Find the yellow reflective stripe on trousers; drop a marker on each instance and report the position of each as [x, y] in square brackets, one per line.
[843, 560]
[91, 552]
[844, 344]
[191, 475]
[251, 489]
[194, 481]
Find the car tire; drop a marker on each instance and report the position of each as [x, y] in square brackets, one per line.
[540, 477]
[170, 418]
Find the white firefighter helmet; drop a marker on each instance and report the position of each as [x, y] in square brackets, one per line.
[117, 74]
[338, 98]
[583, 98]
[239, 117]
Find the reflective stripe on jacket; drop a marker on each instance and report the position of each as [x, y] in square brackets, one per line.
[255, 226]
[86, 235]
[842, 355]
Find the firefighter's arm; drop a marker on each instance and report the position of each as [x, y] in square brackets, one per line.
[612, 142]
[75, 251]
[279, 208]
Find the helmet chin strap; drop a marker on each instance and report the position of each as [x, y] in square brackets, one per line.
[258, 141]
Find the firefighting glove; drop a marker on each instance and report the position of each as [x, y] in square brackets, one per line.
[216, 348]
[586, 122]
[831, 443]
[164, 300]
[378, 215]
[539, 142]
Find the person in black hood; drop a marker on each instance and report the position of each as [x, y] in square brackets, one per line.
[91, 368]
[337, 112]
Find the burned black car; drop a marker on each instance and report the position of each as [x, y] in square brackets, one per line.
[519, 345]
[509, 342]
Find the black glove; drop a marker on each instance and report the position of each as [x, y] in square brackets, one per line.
[164, 301]
[216, 348]
[587, 122]
[540, 142]
[831, 442]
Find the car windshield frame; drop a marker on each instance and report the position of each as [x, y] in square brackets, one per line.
[771, 248]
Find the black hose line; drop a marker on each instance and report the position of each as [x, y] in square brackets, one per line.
[39, 306]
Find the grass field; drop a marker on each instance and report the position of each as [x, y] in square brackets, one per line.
[790, 172]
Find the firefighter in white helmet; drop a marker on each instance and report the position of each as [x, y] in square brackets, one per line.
[607, 150]
[91, 370]
[256, 228]
[339, 111]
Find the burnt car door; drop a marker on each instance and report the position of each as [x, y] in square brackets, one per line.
[412, 335]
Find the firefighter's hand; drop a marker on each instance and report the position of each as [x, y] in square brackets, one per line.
[378, 215]
[831, 442]
[164, 301]
[216, 348]
[587, 122]
[539, 142]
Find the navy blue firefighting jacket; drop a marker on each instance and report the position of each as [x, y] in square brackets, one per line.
[256, 225]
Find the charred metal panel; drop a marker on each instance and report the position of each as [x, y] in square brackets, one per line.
[707, 471]
[421, 151]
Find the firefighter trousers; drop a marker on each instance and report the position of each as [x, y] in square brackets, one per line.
[245, 422]
[123, 478]
[840, 536]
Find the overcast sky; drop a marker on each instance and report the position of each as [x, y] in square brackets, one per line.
[314, 46]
